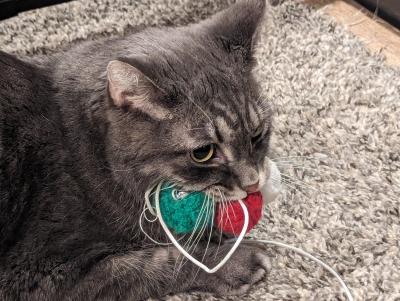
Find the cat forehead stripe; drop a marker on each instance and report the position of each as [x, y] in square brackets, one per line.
[227, 112]
[224, 128]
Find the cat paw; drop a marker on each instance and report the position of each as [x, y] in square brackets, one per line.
[247, 266]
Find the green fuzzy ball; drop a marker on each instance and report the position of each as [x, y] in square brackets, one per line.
[185, 212]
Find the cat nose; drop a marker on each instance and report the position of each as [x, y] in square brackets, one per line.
[252, 188]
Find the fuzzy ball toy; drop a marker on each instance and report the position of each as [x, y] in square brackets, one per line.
[190, 212]
[231, 218]
[184, 212]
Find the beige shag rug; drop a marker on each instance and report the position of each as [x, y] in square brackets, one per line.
[337, 138]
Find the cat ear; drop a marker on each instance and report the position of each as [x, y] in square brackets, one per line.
[237, 27]
[129, 88]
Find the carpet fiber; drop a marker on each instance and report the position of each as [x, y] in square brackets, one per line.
[336, 136]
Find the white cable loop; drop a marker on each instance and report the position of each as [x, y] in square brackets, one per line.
[235, 241]
[309, 256]
[185, 253]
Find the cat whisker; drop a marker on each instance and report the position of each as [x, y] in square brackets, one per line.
[230, 204]
[162, 189]
[302, 185]
[226, 208]
[223, 204]
[219, 242]
[229, 219]
[291, 163]
[294, 157]
[201, 109]
[198, 238]
[197, 129]
[189, 241]
[212, 205]
[101, 183]
[199, 233]
[296, 166]
[122, 170]
[203, 209]
[293, 187]
[296, 163]
[290, 186]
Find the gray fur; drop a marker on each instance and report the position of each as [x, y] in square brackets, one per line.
[78, 163]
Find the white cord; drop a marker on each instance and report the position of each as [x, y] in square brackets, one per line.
[308, 255]
[185, 253]
[147, 206]
[236, 241]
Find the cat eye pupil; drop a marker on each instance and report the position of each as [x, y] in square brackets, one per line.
[203, 154]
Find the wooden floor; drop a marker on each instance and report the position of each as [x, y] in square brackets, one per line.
[378, 36]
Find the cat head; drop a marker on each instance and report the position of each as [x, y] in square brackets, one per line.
[184, 106]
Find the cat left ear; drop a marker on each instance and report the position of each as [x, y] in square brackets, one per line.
[130, 88]
[237, 26]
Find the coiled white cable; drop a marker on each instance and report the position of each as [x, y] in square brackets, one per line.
[184, 252]
[270, 193]
[309, 256]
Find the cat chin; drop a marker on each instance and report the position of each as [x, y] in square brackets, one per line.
[235, 197]
[222, 195]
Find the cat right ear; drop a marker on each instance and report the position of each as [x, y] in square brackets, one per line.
[129, 88]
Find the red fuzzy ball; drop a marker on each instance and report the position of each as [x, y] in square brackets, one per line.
[229, 218]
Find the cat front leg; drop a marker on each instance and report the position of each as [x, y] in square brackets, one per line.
[156, 272]
[247, 266]
[134, 275]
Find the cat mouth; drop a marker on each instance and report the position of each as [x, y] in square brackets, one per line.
[219, 195]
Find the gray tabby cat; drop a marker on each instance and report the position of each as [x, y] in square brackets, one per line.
[83, 135]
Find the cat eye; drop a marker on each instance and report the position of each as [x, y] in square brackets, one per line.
[257, 135]
[203, 154]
